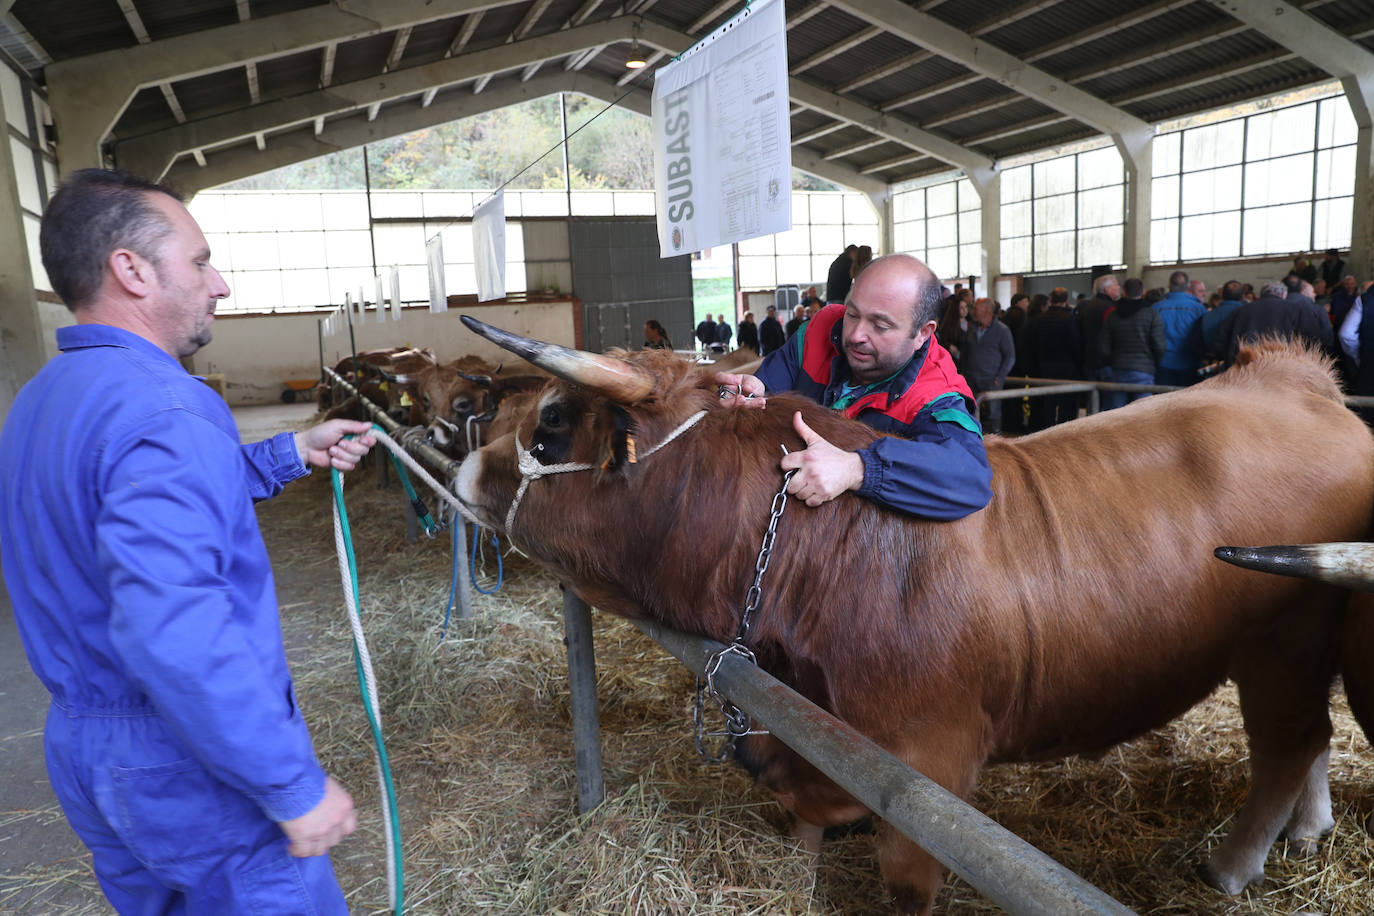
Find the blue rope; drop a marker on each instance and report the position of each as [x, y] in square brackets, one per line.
[472, 565]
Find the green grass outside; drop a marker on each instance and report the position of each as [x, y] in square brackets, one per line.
[715, 296]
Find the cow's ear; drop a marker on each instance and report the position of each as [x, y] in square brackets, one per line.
[620, 451]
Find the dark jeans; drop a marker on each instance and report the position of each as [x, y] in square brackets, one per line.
[1113, 399]
[990, 411]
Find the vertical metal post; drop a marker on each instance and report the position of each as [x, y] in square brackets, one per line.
[460, 544]
[412, 523]
[1094, 401]
[577, 635]
[382, 481]
[371, 230]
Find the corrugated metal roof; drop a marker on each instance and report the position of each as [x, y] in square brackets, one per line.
[1154, 59]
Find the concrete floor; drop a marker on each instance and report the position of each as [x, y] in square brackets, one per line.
[33, 832]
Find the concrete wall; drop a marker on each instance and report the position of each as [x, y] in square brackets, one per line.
[258, 353]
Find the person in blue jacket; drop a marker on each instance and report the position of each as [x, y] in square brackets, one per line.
[141, 585]
[1182, 313]
[875, 358]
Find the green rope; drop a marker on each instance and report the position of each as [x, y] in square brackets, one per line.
[337, 479]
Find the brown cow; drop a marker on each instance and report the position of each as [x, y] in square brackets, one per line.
[1109, 618]
[465, 391]
[387, 378]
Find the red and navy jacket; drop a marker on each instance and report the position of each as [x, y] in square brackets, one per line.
[933, 463]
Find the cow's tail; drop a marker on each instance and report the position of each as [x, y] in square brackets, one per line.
[1357, 661]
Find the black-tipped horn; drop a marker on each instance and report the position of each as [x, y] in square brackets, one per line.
[1350, 565]
[619, 380]
[482, 380]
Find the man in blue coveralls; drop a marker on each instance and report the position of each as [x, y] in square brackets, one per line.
[141, 585]
[875, 358]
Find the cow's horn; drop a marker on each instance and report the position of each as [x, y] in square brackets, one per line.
[619, 380]
[1350, 565]
[482, 380]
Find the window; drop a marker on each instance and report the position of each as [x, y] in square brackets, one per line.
[1064, 213]
[942, 224]
[301, 250]
[35, 169]
[823, 223]
[1274, 182]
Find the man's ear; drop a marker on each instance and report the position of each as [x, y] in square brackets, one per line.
[923, 334]
[133, 272]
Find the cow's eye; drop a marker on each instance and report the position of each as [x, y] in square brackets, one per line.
[425, 398]
[462, 405]
[551, 417]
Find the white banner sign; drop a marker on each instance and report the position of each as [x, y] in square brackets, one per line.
[434, 257]
[722, 136]
[396, 293]
[489, 247]
[381, 299]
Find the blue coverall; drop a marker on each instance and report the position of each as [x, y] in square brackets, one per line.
[144, 598]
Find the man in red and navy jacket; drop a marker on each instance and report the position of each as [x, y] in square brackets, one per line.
[876, 358]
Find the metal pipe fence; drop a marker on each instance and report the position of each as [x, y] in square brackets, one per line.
[1031, 387]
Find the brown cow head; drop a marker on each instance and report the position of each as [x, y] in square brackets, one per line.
[610, 530]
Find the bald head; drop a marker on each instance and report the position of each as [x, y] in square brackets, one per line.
[983, 310]
[906, 277]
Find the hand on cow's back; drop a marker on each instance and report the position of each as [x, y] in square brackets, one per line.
[746, 390]
[824, 471]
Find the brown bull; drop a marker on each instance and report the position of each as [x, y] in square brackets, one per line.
[1103, 616]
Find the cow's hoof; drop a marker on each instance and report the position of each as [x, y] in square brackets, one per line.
[1303, 846]
[1227, 883]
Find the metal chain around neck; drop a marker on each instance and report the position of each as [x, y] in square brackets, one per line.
[737, 722]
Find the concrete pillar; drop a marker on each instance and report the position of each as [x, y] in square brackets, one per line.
[83, 112]
[1359, 93]
[988, 184]
[882, 206]
[1137, 156]
[21, 343]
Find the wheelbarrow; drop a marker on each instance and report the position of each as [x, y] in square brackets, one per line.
[294, 388]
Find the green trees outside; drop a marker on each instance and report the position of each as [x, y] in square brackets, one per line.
[612, 149]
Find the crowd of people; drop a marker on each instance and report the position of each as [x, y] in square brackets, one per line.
[1121, 332]
[1174, 335]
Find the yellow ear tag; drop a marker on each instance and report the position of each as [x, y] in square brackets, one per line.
[405, 399]
[630, 449]
[384, 385]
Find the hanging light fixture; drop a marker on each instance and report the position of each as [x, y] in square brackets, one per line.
[636, 60]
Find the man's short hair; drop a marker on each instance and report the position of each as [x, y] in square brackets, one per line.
[94, 212]
[1103, 282]
[1059, 294]
[1133, 288]
[1178, 282]
[1018, 297]
[1275, 288]
[1233, 290]
[1333, 252]
[1293, 283]
[771, 308]
[850, 249]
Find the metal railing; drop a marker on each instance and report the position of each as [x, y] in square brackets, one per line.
[1030, 387]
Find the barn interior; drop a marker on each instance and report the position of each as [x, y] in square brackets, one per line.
[1018, 145]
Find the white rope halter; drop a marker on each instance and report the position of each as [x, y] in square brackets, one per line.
[530, 468]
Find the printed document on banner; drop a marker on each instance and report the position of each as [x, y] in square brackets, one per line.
[489, 247]
[722, 136]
